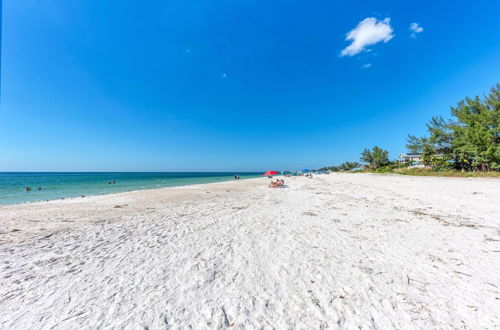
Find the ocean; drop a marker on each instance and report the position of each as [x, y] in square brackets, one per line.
[65, 184]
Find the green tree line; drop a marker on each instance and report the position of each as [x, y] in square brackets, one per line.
[468, 141]
[345, 166]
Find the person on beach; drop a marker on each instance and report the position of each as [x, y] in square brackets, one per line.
[277, 183]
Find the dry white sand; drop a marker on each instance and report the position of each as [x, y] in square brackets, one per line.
[337, 251]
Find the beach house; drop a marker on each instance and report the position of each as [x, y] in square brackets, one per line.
[413, 159]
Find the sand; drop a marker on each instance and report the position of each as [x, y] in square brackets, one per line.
[340, 251]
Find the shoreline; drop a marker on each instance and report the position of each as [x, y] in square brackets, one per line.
[115, 192]
[228, 180]
[103, 202]
[221, 181]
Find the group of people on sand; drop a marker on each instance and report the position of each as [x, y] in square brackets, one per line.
[276, 183]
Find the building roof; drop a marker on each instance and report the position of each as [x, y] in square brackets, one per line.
[410, 155]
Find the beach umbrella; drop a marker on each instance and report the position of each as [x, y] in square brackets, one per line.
[269, 173]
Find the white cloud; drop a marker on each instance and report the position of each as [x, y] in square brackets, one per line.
[368, 32]
[415, 29]
[366, 66]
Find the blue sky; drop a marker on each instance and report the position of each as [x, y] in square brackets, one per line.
[232, 85]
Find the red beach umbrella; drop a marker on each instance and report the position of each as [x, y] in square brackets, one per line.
[268, 173]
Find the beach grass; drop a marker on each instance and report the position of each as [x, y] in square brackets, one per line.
[448, 173]
[432, 172]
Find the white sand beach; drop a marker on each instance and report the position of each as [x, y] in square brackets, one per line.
[339, 251]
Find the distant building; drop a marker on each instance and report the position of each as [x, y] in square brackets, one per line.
[415, 160]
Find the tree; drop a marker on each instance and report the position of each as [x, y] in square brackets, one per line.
[476, 131]
[424, 147]
[469, 141]
[414, 145]
[347, 166]
[376, 158]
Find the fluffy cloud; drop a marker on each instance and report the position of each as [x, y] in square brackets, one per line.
[415, 29]
[366, 66]
[369, 31]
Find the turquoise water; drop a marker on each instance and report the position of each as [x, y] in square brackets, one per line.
[63, 185]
